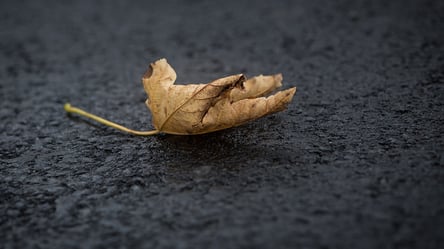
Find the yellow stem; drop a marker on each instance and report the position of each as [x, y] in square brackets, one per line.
[71, 109]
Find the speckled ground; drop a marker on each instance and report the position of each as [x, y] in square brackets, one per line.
[357, 160]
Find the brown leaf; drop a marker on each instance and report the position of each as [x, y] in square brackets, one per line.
[202, 108]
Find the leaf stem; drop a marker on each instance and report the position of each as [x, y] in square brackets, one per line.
[71, 109]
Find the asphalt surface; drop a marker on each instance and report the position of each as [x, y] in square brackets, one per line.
[357, 160]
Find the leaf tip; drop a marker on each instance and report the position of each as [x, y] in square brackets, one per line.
[290, 93]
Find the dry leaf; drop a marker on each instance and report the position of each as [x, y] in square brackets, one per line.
[202, 108]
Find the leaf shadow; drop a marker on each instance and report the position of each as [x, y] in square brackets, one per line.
[227, 157]
[228, 149]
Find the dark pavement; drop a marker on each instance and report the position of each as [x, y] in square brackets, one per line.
[357, 160]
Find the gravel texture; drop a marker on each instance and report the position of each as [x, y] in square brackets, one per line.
[357, 160]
